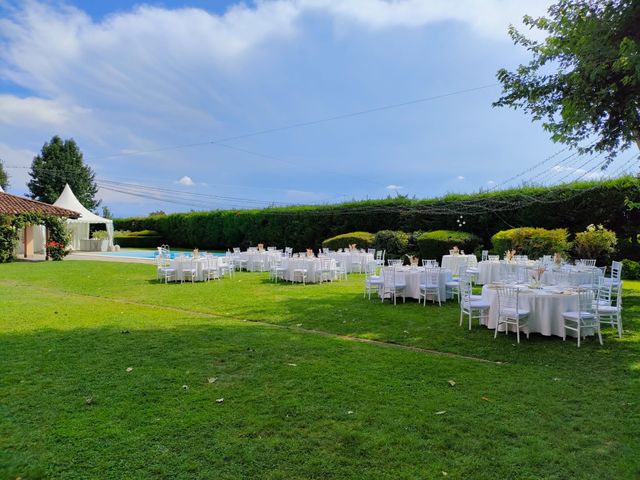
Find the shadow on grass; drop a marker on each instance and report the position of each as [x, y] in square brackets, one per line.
[295, 405]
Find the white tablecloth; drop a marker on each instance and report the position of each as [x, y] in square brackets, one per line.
[259, 261]
[311, 264]
[352, 260]
[572, 276]
[453, 262]
[495, 271]
[413, 278]
[182, 263]
[545, 306]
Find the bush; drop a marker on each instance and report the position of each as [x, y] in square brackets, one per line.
[630, 270]
[595, 242]
[439, 242]
[395, 243]
[361, 239]
[573, 205]
[141, 239]
[534, 242]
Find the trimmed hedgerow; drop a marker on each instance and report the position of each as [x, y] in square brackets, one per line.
[534, 242]
[439, 242]
[571, 205]
[396, 243]
[361, 239]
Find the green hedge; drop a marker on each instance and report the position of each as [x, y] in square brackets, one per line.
[140, 239]
[396, 243]
[361, 239]
[572, 205]
[437, 243]
[534, 242]
[630, 270]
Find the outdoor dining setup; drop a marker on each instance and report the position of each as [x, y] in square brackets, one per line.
[282, 264]
[547, 296]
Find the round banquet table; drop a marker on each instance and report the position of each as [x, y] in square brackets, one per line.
[414, 276]
[454, 262]
[545, 305]
[182, 263]
[311, 264]
[492, 271]
[352, 260]
[571, 276]
[259, 261]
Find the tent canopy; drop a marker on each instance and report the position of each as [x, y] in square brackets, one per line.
[80, 226]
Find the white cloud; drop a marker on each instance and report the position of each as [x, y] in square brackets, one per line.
[491, 182]
[186, 181]
[488, 17]
[28, 111]
[393, 187]
[460, 177]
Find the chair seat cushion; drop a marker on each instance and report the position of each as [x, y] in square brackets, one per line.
[453, 283]
[479, 304]
[512, 312]
[428, 286]
[473, 270]
[577, 315]
[607, 309]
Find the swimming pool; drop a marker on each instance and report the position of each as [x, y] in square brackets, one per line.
[148, 254]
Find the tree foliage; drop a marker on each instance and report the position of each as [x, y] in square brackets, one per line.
[61, 162]
[4, 178]
[583, 81]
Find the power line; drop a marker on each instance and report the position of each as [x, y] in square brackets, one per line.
[301, 124]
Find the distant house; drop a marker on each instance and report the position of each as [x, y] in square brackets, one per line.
[33, 237]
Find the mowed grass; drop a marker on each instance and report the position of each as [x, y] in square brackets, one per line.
[300, 401]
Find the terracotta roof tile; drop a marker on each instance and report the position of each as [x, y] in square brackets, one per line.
[12, 204]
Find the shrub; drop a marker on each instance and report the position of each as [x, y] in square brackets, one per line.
[534, 242]
[439, 242]
[595, 242]
[361, 239]
[630, 270]
[395, 243]
[141, 239]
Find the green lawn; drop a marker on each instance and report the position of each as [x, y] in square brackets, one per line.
[300, 399]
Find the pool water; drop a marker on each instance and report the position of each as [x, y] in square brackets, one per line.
[149, 254]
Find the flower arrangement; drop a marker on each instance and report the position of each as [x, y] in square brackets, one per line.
[557, 258]
[196, 253]
[509, 254]
[310, 252]
[455, 250]
[413, 260]
[352, 247]
[57, 251]
[536, 277]
[261, 247]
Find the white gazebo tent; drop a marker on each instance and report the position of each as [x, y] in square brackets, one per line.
[79, 227]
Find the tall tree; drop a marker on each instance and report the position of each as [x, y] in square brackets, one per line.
[583, 80]
[61, 162]
[4, 178]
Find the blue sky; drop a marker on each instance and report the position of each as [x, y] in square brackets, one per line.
[127, 80]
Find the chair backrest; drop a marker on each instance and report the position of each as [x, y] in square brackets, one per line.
[371, 250]
[508, 299]
[429, 263]
[432, 276]
[370, 268]
[236, 250]
[465, 290]
[485, 256]
[393, 262]
[616, 270]
[603, 292]
[493, 258]
[379, 255]
[585, 301]
[588, 262]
